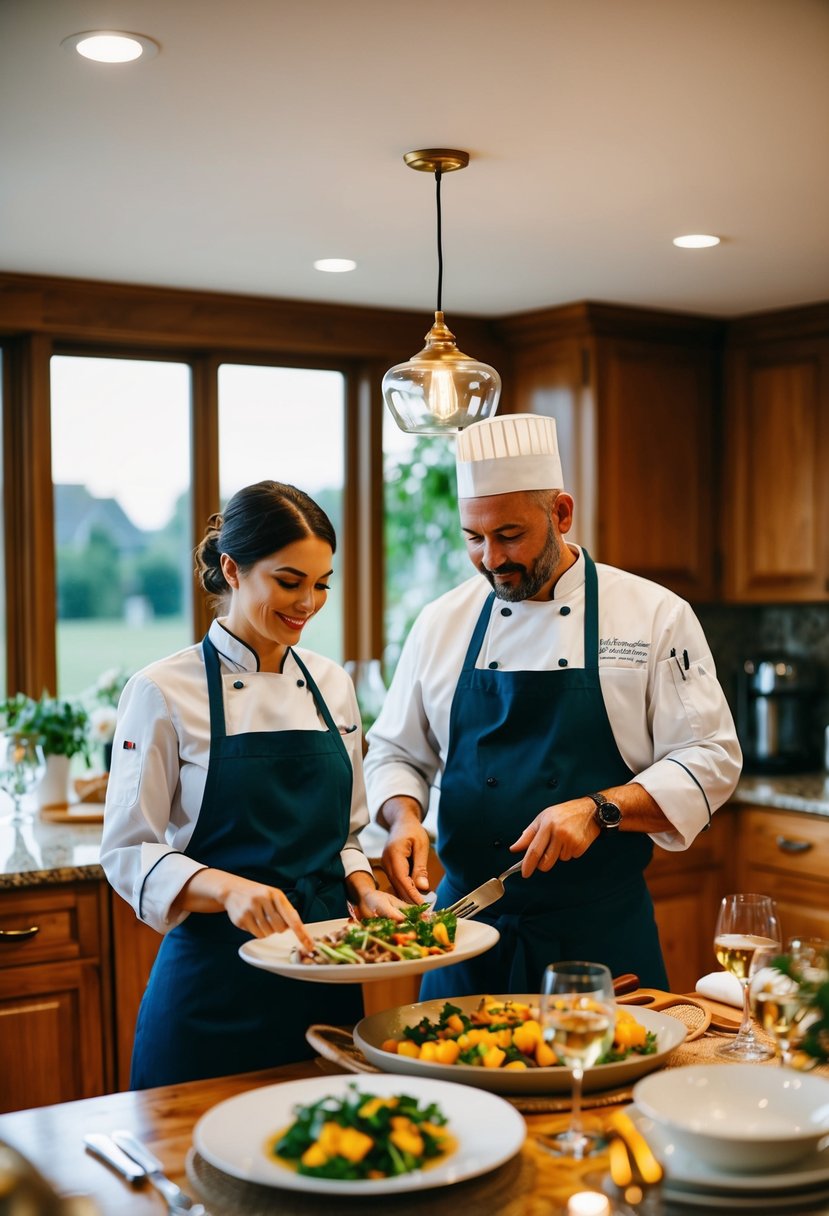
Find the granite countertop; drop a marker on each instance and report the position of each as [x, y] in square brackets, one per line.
[807, 792]
[40, 853]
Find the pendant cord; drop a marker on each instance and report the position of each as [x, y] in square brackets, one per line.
[440, 239]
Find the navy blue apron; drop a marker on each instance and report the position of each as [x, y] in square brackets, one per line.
[520, 741]
[276, 809]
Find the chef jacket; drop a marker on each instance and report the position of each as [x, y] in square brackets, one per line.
[161, 751]
[667, 711]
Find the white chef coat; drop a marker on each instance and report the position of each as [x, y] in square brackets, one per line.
[670, 720]
[155, 788]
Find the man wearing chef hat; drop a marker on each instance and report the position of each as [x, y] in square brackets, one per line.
[569, 714]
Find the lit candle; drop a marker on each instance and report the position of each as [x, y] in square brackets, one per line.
[588, 1203]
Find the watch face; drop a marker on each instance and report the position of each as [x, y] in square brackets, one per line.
[609, 815]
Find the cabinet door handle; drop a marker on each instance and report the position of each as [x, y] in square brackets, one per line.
[793, 846]
[17, 935]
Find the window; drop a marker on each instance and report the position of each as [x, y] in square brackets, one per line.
[288, 424]
[425, 551]
[121, 479]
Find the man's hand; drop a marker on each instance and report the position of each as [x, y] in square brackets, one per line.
[558, 833]
[406, 853]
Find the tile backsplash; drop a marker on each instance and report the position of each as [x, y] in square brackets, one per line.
[736, 632]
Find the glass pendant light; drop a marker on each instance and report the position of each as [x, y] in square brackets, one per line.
[440, 390]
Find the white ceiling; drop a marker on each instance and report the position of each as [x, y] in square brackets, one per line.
[268, 133]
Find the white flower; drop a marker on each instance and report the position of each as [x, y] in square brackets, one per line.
[102, 721]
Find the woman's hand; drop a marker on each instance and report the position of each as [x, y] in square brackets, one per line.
[378, 903]
[260, 910]
[252, 906]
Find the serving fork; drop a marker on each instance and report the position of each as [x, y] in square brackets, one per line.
[484, 895]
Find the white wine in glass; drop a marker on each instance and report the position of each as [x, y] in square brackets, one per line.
[746, 923]
[578, 1019]
[777, 1000]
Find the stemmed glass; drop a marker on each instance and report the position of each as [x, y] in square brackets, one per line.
[578, 1016]
[746, 922]
[22, 765]
[783, 1000]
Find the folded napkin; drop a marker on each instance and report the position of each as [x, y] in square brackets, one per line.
[721, 986]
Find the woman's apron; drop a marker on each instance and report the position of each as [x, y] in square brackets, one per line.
[276, 809]
[520, 741]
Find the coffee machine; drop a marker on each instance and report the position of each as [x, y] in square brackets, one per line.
[774, 698]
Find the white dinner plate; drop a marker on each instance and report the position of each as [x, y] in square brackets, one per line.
[234, 1135]
[273, 953]
[371, 1032]
[687, 1175]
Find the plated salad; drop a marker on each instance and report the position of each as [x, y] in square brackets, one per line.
[505, 1034]
[360, 1136]
[382, 940]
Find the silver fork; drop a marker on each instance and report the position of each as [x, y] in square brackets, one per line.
[482, 896]
[177, 1202]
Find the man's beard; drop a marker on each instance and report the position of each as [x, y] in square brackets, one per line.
[532, 579]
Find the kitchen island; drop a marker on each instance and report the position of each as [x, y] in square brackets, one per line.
[74, 959]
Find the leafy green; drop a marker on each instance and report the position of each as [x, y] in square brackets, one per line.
[357, 1110]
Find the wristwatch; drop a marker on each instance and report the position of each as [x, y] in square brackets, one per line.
[608, 816]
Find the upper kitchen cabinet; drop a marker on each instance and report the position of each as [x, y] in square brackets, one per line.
[775, 478]
[634, 396]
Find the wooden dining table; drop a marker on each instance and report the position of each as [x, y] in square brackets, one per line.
[51, 1138]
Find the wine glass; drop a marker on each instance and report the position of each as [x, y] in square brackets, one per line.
[777, 1000]
[578, 1017]
[22, 765]
[744, 924]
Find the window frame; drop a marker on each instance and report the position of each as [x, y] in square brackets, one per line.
[41, 316]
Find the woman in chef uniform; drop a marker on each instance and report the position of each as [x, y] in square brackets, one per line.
[235, 798]
[568, 713]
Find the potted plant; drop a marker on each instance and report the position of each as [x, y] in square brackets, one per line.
[61, 725]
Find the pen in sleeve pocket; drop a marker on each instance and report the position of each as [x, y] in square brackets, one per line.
[675, 656]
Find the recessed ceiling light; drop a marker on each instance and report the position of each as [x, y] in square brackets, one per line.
[111, 46]
[697, 240]
[335, 265]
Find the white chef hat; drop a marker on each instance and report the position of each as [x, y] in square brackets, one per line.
[507, 453]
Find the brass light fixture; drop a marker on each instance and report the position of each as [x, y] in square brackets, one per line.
[440, 390]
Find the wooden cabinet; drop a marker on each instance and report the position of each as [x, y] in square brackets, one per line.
[634, 395]
[55, 1037]
[775, 484]
[686, 889]
[786, 855]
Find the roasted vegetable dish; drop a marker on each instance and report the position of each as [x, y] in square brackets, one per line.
[362, 1136]
[383, 940]
[505, 1034]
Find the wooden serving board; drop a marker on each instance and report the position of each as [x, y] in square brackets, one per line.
[723, 1017]
[73, 812]
[698, 1017]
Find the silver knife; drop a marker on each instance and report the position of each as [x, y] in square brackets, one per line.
[177, 1200]
[105, 1148]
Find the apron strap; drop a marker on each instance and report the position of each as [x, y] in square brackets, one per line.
[319, 700]
[591, 614]
[478, 634]
[218, 730]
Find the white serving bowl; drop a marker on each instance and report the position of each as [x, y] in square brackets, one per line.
[738, 1117]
